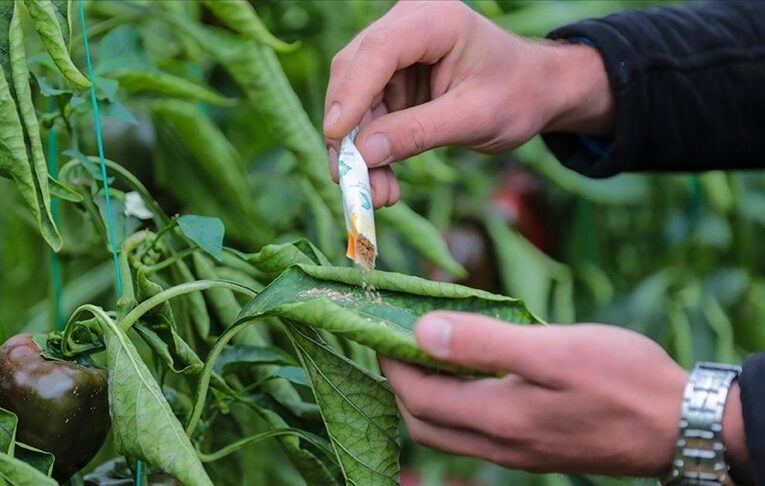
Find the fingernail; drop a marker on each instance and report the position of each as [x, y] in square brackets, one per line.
[433, 335]
[377, 149]
[332, 116]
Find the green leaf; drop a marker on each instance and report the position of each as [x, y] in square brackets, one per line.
[157, 328]
[106, 89]
[294, 374]
[8, 423]
[257, 70]
[358, 409]
[223, 301]
[89, 165]
[41, 460]
[209, 152]
[125, 51]
[16, 472]
[117, 111]
[311, 467]
[422, 236]
[205, 231]
[143, 423]
[63, 11]
[243, 356]
[21, 153]
[240, 15]
[63, 191]
[46, 89]
[169, 85]
[45, 18]
[332, 298]
[118, 216]
[274, 259]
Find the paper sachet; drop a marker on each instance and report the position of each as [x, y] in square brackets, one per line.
[357, 203]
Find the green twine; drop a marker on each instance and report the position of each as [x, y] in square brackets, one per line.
[55, 263]
[104, 178]
[102, 162]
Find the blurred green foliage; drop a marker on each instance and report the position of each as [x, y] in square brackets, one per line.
[673, 256]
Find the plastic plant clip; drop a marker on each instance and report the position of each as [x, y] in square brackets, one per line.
[357, 203]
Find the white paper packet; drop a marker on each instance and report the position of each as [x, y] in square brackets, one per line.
[357, 203]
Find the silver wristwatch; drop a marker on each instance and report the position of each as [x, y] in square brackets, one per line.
[700, 453]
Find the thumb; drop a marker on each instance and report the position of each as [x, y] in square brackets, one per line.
[486, 344]
[401, 134]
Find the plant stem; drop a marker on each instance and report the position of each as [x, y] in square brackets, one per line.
[169, 261]
[127, 322]
[204, 376]
[233, 447]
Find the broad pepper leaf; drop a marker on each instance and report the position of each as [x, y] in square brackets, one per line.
[241, 16]
[208, 152]
[143, 423]
[358, 409]
[157, 328]
[313, 469]
[63, 191]
[8, 423]
[274, 259]
[332, 298]
[40, 460]
[16, 472]
[205, 231]
[243, 356]
[45, 18]
[24, 163]
[153, 81]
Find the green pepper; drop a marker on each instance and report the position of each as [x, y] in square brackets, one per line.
[63, 407]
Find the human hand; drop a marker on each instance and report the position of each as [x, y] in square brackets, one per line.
[428, 74]
[585, 398]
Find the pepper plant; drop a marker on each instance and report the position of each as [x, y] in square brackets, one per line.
[240, 351]
[185, 359]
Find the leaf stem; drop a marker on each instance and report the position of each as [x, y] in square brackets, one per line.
[235, 446]
[169, 261]
[204, 376]
[132, 317]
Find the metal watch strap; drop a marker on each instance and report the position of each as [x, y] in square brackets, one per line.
[700, 453]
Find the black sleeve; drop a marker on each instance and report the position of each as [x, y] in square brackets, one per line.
[689, 85]
[752, 383]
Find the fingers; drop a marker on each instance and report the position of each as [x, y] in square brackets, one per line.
[419, 34]
[458, 401]
[483, 343]
[401, 134]
[385, 188]
[454, 441]
[463, 404]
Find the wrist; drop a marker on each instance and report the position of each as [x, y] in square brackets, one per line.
[580, 91]
[734, 438]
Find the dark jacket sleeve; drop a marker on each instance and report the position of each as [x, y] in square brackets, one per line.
[689, 86]
[752, 383]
